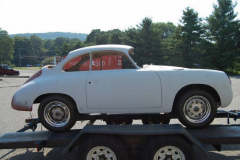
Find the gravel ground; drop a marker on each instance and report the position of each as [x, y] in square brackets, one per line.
[12, 120]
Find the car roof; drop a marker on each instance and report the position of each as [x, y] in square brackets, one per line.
[123, 48]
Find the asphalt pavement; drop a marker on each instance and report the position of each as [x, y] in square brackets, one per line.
[12, 120]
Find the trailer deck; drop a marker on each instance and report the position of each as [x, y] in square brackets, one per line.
[215, 135]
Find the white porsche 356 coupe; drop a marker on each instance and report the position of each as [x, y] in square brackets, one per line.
[104, 79]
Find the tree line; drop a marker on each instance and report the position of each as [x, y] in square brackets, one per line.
[212, 42]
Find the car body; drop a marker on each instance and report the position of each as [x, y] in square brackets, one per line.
[152, 89]
[6, 70]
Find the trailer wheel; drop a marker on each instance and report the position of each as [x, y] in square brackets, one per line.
[102, 148]
[196, 108]
[168, 148]
[57, 113]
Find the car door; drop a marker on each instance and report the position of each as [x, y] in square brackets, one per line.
[9, 70]
[72, 80]
[123, 89]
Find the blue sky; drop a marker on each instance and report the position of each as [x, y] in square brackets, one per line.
[39, 16]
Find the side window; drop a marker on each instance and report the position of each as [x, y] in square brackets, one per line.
[110, 61]
[80, 63]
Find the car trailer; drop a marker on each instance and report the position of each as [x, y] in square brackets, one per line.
[111, 142]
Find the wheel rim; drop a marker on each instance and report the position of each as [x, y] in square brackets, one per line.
[101, 153]
[169, 153]
[57, 114]
[197, 109]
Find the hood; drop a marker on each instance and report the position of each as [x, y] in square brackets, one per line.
[15, 70]
[160, 67]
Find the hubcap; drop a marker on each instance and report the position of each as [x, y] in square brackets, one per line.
[57, 114]
[169, 153]
[101, 153]
[197, 109]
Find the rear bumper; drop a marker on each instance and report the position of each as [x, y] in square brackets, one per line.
[20, 105]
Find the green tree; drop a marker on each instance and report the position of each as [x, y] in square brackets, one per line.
[189, 36]
[37, 45]
[116, 36]
[223, 31]
[6, 47]
[103, 38]
[91, 38]
[22, 48]
[65, 49]
[165, 30]
[150, 43]
[48, 61]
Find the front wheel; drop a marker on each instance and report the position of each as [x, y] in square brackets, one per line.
[57, 113]
[196, 108]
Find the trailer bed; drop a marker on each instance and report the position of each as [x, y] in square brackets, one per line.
[212, 135]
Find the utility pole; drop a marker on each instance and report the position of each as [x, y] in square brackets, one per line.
[19, 57]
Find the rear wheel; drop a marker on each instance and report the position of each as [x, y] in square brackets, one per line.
[102, 148]
[57, 113]
[196, 108]
[168, 148]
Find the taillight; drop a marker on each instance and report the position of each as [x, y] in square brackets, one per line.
[34, 76]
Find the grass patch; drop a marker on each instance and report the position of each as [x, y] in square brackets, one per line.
[27, 68]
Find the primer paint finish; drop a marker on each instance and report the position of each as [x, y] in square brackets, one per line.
[151, 89]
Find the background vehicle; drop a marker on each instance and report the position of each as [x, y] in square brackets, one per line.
[6, 70]
[67, 93]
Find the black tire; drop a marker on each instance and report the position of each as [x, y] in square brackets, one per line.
[176, 146]
[196, 108]
[111, 144]
[57, 113]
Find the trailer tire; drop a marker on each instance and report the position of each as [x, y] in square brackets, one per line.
[196, 108]
[168, 147]
[102, 147]
[57, 113]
